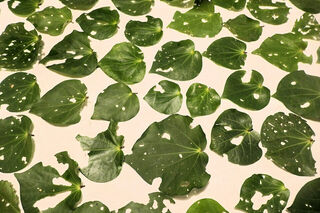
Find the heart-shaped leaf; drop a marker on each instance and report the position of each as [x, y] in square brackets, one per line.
[307, 27]
[92, 207]
[180, 3]
[172, 150]
[9, 201]
[24, 7]
[79, 4]
[310, 6]
[134, 8]
[234, 5]
[206, 205]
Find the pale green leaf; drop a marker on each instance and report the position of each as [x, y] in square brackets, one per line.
[206, 205]
[92, 207]
[307, 27]
[234, 5]
[134, 8]
[24, 7]
[9, 201]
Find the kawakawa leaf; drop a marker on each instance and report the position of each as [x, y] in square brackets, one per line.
[180, 3]
[178, 61]
[24, 7]
[79, 59]
[299, 92]
[244, 28]
[172, 150]
[202, 100]
[37, 183]
[284, 51]
[20, 91]
[266, 186]
[206, 205]
[9, 201]
[19, 48]
[200, 21]
[269, 11]
[105, 154]
[307, 27]
[311, 6]
[249, 95]
[79, 4]
[92, 207]
[227, 52]
[134, 8]
[124, 63]
[288, 139]
[100, 24]
[51, 20]
[144, 33]
[116, 103]
[167, 99]
[16, 143]
[235, 5]
[61, 106]
[230, 126]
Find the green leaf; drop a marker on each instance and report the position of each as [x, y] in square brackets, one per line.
[244, 28]
[202, 100]
[134, 8]
[167, 100]
[116, 103]
[178, 61]
[100, 24]
[310, 6]
[234, 5]
[51, 20]
[249, 95]
[79, 4]
[20, 91]
[92, 207]
[16, 144]
[201, 21]
[37, 183]
[288, 139]
[144, 33]
[79, 58]
[269, 11]
[265, 185]
[284, 51]
[227, 52]
[299, 92]
[24, 7]
[105, 154]
[172, 150]
[124, 63]
[19, 48]
[230, 125]
[61, 106]
[318, 53]
[9, 201]
[307, 27]
[180, 3]
[206, 205]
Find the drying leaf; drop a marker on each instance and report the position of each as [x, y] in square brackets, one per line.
[134, 8]
[79, 4]
[9, 201]
[307, 27]
[206, 205]
[24, 7]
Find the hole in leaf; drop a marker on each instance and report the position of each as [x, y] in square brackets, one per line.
[305, 105]
[258, 200]
[237, 141]
[166, 136]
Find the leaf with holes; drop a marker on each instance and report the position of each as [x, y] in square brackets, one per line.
[310, 6]
[100, 24]
[233, 125]
[307, 27]
[144, 33]
[9, 201]
[92, 207]
[37, 183]
[124, 63]
[116, 103]
[288, 140]
[249, 95]
[234, 5]
[178, 61]
[24, 7]
[202, 100]
[206, 205]
[61, 106]
[172, 150]
[20, 91]
[19, 48]
[134, 8]
[267, 186]
[79, 4]
[180, 3]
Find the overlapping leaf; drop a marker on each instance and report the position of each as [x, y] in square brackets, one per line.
[9, 201]
[311, 6]
[206, 205]
[235, 5]
[79, 4]
[307, 27]
[134, 8]
[24, 7]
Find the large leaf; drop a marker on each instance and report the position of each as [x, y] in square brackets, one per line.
[134, 8]
[235, 5]
[307, 27]
[79, 59]
[9, 201]
[180, 3]
[144, 33]
[201, 21]
[206, 205]
[16, 143]
[288, 139]
[79, 4]
[105, 154]
[202, 100]
[92, 207]
[311, 6]
[19, 48]
[227, 52]
[24, 7]
[116, 103]
[230, 125]
[124, 63]
[100, 24]
[299, 92]
[178, 61]
[250, 95]
[267, 186]
[284, 51]
[61, 106]
[20, 91]
[172, 150]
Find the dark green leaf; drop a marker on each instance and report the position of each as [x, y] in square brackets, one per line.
[235, 5]
[307, 27]
[9, 201]
[311, 6]
[180, 3]
[24, 7]
[92, 207]
[134, 8]
[206, 205]
[79, 4]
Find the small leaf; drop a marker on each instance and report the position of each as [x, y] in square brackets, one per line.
[9, 201]
[288, 139]
[100, 24]
[167, 101]
[79, 4]
[134, 8]
[234, 5]
[202, 100]
[307, 27]
[227, 52]
[230, 125]
[116, 103]
[180, 3]
[24, 7]
[124, 63]
[206, 205]
[144, 33]
[310, 6]
[178, 61]
[92, 207]
[61, 106]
